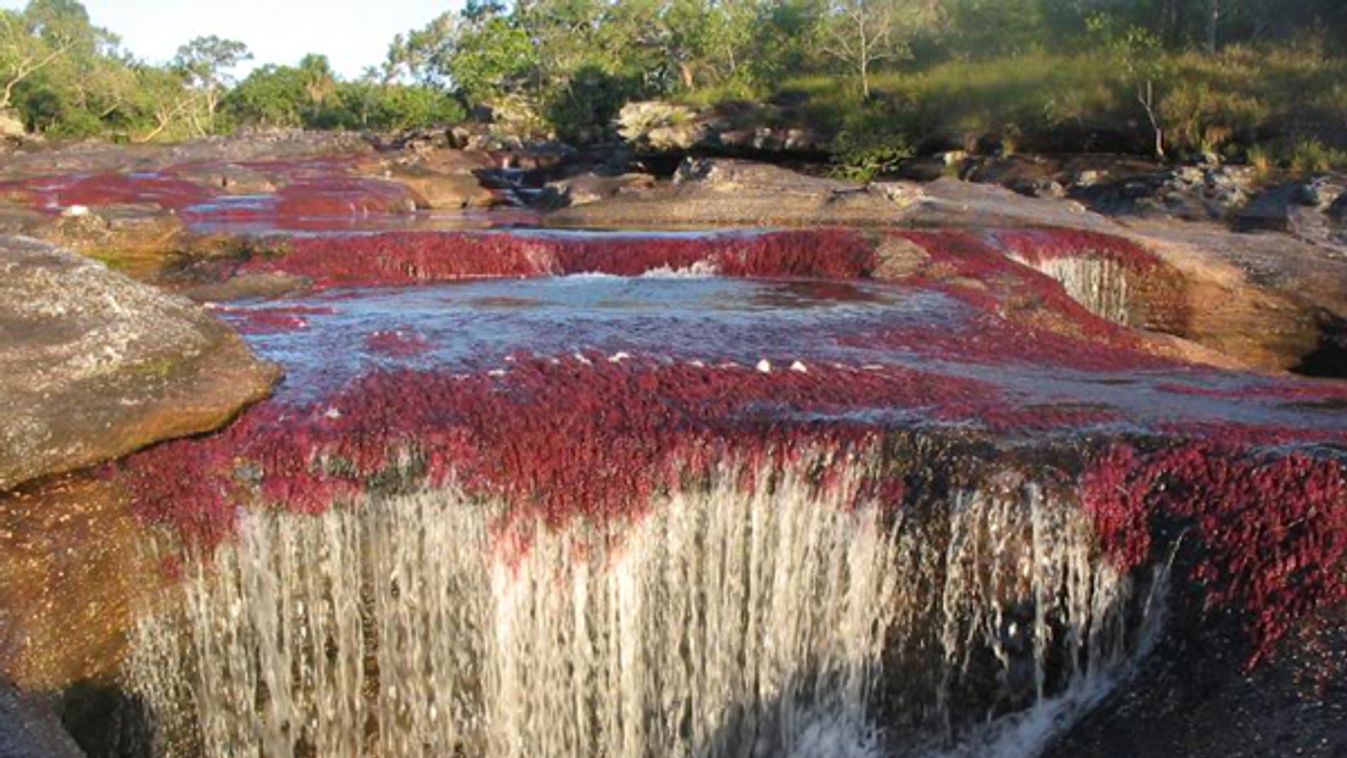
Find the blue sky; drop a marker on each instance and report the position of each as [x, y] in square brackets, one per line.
[352, 33]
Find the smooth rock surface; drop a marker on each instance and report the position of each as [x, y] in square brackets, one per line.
[94, 365]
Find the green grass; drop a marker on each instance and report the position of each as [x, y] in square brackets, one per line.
[1279, 98]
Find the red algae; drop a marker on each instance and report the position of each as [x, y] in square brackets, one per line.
[558, 439]
[56, 193]
[396, 342]
[1272, 527]
[1040, 245]
[273, 320]
[419, 257]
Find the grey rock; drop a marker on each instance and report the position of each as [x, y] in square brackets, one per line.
[94, 365]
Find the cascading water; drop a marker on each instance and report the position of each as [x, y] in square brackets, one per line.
[1098, 283]
[785, 618]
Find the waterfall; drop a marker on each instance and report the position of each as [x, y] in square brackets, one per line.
[786, 619]
[1098, 283]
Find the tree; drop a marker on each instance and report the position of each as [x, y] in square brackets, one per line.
[23, 54]
[205, 63]
[423, 54]
[861, 33]
[270, 96]
[1140, 65]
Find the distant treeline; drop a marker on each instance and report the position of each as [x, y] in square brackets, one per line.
[1192, 75]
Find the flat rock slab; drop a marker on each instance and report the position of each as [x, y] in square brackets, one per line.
[94, 365]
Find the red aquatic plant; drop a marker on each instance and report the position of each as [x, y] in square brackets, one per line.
[411, 257]
[396, 342]
[1039, 245]
[1272, 526]
[586, 437]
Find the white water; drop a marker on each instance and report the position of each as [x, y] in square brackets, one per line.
[722, 624]
[1099, 284]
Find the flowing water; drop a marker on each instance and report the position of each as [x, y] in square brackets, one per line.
[1100, 284]
[726, 620]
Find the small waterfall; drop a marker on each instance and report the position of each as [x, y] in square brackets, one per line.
[1098, 283]
[785, 619]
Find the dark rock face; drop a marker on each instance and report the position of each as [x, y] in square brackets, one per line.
[1309, 210]
[1196, 699]
[85, 349]
[30, 728]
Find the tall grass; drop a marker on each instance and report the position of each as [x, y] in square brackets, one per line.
[1222, 104]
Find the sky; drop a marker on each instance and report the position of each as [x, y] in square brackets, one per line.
[352, 33]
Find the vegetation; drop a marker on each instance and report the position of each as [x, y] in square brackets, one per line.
[1263, 80]
[65, 77]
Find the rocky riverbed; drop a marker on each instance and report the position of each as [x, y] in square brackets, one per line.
[1004, 470]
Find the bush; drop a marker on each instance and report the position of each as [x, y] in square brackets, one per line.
[1312, 156]
[870, 144]
[585, 109]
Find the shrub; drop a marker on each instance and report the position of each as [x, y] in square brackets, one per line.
[1312, 156]
[872, 143]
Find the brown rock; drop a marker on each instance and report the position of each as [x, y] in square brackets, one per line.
[94, 365]
[133, 239]
[230, 178]
[441, 178]
[592, 188]
[73, 573]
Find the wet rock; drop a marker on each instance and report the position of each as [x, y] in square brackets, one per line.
[591, 188]
[30, 728]
[73, 571]
[94, 365]
[229, 178]
[1198, 703]
[441, 178]
[131, 238]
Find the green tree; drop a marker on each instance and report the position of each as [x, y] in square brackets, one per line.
[859, 34]
[205, 62]
[271, 96]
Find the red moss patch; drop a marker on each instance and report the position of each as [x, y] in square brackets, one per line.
[340, 196]
[1040, 245]
[273, 320]
[55, 193]
[1273, 528]
[412, 257]
[558, 439]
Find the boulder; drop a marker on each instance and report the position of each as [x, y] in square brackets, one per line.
[441, 178]
[229, 178]
[1195, 192]
[660, 126]
[94, 365]
[30, 728]
[1311, 210]
[592, 188]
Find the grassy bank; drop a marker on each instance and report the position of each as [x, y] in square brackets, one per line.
[1282, 105]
